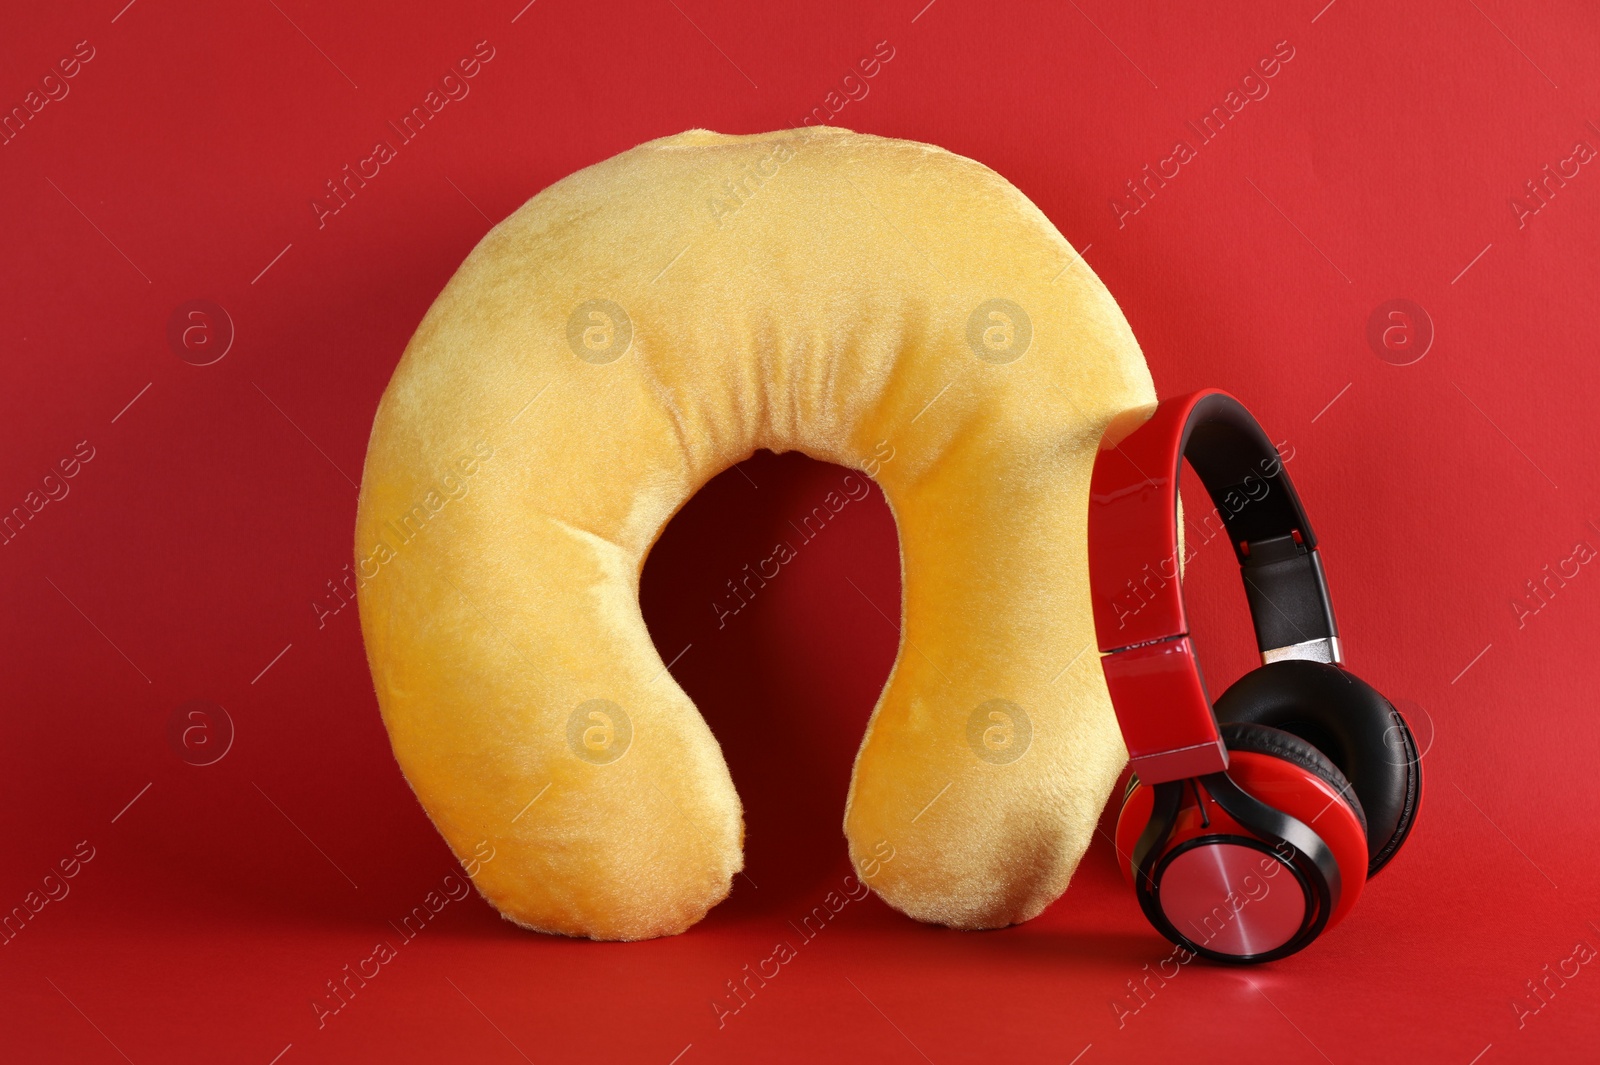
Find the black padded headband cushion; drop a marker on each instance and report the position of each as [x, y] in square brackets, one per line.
[1353, 725]
[1243, 473]
[1266, 522]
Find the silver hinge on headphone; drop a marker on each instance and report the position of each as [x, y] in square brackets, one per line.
[1327, 649]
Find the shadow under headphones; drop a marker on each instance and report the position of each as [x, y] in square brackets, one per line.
[1249, 828]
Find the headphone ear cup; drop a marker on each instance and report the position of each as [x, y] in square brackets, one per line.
[1346, 721]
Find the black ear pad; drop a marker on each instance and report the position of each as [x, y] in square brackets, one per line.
[1262, 739]
[1345, 719]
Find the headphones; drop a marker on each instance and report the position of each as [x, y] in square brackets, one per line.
[1249, 827]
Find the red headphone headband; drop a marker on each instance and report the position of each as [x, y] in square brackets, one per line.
[1143, 630]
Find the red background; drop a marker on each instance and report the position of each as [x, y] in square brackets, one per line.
[189, 550]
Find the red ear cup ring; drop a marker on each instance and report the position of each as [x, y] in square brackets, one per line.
[1260, 739]
[1245, 866]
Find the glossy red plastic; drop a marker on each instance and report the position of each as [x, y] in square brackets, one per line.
[1165, 714]
[1154, 678]
[1279, 784]
[1133, 526]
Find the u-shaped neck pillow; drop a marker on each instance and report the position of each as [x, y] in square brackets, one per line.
[629, 333]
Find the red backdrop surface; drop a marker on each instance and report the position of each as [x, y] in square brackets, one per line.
[210, 506]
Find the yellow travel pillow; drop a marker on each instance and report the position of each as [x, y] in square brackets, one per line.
[629, 333]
